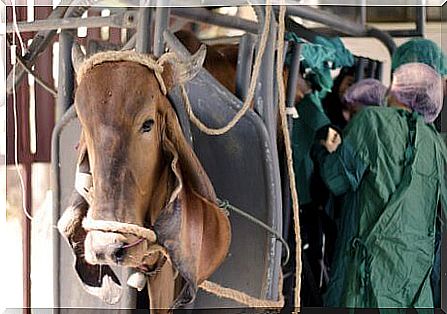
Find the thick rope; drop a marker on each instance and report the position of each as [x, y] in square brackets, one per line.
[241, 297]
[120, 227]
[288, 146]
[251, 91]
[132, 56]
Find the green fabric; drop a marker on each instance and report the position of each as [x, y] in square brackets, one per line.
[342, 56]
[385, 249]
[423, 51]
[311, 118]
[319, 58]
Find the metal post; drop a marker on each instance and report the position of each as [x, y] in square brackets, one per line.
[266, 107]
[202, 15]
[294, 70]
[292, 83]
[56, 189]
[161, 24]
[373, 69]
[244, 65]
[143, 31]
[363, 15]
[379, 71]
[65, 79]
[421, 13]
[360, 68]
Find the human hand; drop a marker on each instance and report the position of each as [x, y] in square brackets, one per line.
[332, 140]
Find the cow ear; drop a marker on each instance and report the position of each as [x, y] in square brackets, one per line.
[179, 71]
[77, 56]
[97, 280]
[193, 229]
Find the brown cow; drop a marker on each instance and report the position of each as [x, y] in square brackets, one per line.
[221, 62]
[144, 173]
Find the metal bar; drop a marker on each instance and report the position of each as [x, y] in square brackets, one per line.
[373, 69]
[233, 40]
[326, 18]
[384, 37]
[244, 65]
[292, 83]
[359, 68]
[143, 32]
[40, 41]
[404, 33]
[379, 71]
[294, 70]
[174, 43]
[130, 44]
[266, 106]
[201, 15]
[300, 30]
[363, 15]
[66, 73]
[342, 25]
[161, 24]
[421, 17]
[69, 115]
[116, 20]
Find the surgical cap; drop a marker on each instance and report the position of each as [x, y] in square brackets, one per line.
[368, 92]
[419, 87]
[423, 51]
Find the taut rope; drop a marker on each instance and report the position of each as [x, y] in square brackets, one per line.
[251, 91]
[288, 146]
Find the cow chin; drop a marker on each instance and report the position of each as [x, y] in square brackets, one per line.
[113, 249]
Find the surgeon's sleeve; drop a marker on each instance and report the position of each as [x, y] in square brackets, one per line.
[341, 171]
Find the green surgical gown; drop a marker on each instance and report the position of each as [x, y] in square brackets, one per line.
[391, 172]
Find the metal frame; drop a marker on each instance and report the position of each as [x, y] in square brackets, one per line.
[66, 19]
[124, 20]
[421, 18]
[245, 62]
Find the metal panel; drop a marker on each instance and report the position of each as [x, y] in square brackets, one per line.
[241, 165]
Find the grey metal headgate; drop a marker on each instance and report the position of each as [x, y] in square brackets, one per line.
[242, 164]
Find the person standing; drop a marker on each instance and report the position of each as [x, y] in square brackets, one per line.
[390, 168]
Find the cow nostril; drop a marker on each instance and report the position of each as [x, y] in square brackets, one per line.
[119, 254]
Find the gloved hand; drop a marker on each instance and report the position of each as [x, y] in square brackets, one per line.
[329, 137]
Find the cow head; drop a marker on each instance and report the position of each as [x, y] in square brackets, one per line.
[145, 173]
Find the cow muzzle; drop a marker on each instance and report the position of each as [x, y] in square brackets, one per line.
[114, 249]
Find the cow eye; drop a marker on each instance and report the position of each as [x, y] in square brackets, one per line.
[147, 126]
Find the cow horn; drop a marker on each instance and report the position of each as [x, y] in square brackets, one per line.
[77, 56]
[188, 69]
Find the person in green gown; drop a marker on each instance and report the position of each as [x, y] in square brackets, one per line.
[390, 169]
[426, 51]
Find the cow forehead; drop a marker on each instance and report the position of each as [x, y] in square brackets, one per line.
[116, 92]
